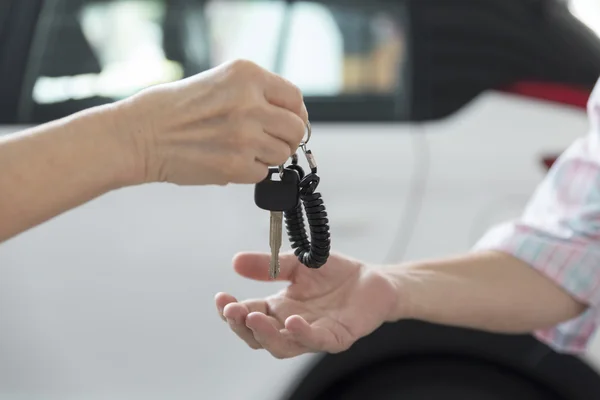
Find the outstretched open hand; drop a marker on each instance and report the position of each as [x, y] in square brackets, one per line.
[326, 309]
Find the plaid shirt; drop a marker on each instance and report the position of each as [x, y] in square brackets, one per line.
[559, 233]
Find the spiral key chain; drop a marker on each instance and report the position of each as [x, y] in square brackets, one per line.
[290, 196]
[314, 252]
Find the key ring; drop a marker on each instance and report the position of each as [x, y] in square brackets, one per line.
[307, 153]
[310, 158]
[308, 135]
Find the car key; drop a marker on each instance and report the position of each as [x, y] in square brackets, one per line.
[275, 234]
[277, 196]
[293, 195]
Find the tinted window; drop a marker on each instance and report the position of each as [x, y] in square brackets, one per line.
[92, 52]
[4, 9]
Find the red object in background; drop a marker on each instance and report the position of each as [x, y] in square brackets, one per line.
[553, 92]
[548, 161]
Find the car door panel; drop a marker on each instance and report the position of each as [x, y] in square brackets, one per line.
[487, 152]
[118, 294]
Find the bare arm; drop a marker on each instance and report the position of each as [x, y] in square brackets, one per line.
[537, 274]
[489, 291]
[225, 125]
[329, 309]
[54, 167]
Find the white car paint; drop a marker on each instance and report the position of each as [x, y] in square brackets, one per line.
[115, 298]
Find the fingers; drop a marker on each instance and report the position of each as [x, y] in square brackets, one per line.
[221, 300]
[256, 266]
[255, 172]
[313, 337]
[272, 141]
[271, 338]
[225, 125]
[282, 93]
[235, 314]
[284, 125]
[252, 172]
[250, 322]
[271, 150]
[279, 135]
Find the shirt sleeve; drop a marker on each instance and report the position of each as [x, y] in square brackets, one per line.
[559, 235]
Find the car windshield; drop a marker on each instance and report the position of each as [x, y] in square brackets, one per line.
[91, 52]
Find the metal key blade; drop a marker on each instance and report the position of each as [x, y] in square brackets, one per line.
[275, 233]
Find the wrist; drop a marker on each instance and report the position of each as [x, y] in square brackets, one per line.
[105, 126]
[121, 128]
[397, 293]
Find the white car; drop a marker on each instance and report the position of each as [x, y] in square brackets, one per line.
[432, 121]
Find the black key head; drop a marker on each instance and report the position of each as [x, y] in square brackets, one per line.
[276, 193]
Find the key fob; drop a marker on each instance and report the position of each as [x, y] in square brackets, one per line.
[276, 193]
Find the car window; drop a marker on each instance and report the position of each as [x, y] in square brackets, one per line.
[92, 52]
[4, 9]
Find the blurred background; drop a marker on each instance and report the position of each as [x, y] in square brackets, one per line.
[85, 53]
[433, 120]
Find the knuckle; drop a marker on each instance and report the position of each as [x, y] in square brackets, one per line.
[248, 108]
[239, 129]
[241, 64]
[245, 68]
[233, 164]
[244, 140]
[251, 109]
[261, 109]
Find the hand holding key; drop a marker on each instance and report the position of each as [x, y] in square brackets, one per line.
[322, 310]
[225, 125]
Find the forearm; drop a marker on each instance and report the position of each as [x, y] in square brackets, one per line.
[49, 169]
[487, 291]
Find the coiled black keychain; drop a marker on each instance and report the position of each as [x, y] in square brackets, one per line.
[290, 196]
[314, 252]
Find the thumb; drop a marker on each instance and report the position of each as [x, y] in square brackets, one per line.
[256, 266]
